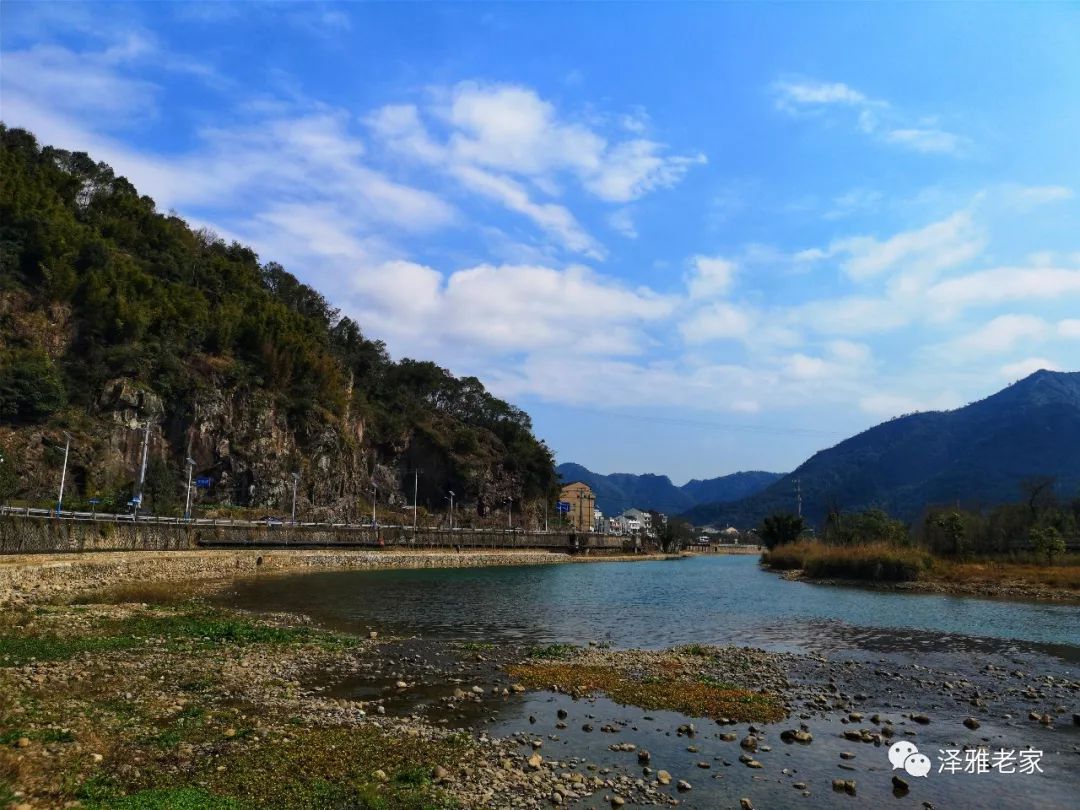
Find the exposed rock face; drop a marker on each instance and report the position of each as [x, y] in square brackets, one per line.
[242, 442]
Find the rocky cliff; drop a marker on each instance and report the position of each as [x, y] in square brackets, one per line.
[113, 316]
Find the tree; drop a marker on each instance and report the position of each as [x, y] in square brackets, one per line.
[780, 528]
[952, 525]
[30, 387]
[673, 534]
[1047, 540]
[868, 526]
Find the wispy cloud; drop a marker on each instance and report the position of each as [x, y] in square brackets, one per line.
[875, 117]
[506, 142]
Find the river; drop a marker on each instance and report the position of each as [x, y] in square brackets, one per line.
[729, 600]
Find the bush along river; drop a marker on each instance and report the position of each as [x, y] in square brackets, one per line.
[704, 682]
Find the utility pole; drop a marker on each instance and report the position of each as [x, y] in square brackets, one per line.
[415, 496]
[63, 474]
[187, 503]
[451, 499]
[374, 497]
[510, 514]
[798, 497]
[142, 469]
[295, 481]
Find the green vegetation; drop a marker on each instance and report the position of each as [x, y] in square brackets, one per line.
[875, 562]
[871, 545]
[166, 799]
[97, 286]
[781, 528]
[198, 625]
[667, 686]
[557, 652]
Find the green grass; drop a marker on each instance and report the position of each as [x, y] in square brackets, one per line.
[16, 650]
[555, 652]
[200, 626]
[101, 794]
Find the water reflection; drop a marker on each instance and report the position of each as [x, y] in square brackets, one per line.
[719, 600]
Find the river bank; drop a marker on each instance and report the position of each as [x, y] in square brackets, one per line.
[30, 578]
[905, 569]
[186, 705]
[988, 588]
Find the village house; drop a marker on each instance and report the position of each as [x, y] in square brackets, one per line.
[582, 503]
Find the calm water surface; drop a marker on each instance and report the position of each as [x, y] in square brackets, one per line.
[714, 600]
[719, 600]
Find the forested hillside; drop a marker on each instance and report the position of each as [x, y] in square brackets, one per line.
[977, 456]
[113, 314]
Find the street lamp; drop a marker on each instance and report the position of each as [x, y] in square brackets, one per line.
[187, 503]
[63, 474]
[295, 481]
[142, 470]
[451, 499]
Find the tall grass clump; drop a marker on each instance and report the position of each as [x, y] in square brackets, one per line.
[873, 562]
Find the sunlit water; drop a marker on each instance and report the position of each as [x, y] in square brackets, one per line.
[709, 600]
[721, 600]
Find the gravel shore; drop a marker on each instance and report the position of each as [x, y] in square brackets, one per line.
[45, 577]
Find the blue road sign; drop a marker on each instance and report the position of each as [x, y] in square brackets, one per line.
[203, 482]
[562, 506]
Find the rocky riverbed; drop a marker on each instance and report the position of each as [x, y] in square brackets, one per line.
[139, 704]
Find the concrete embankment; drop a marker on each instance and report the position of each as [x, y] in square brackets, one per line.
[43, 577]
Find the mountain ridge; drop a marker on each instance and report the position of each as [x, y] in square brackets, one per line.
[617, 492]
[976, 455]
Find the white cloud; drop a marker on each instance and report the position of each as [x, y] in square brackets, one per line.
[874, 117]
[505, 311]
[622, 220]
[937, 246]
[1004, 284]
[887, 405]
[718, 321]
[794, 95]
[710, 276]
[925, 140]
[1030, 196]
[553, 218]
[1001, 334]
[1069, 328]
[1023, 368]
[495, 138]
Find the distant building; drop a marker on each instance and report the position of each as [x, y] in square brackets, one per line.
[582, 505]
[638, 521]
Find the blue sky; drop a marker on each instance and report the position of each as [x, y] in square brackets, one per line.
[688, 239]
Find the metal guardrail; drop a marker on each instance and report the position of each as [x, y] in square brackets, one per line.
[159, 520]
[52, 531]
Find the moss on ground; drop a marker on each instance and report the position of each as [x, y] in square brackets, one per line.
[666, 686]
[194, 745]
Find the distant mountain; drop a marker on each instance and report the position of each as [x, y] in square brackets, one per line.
[976, 455]
[618, 492]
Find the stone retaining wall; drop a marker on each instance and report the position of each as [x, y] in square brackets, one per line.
[41, 577]
[27, 535]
